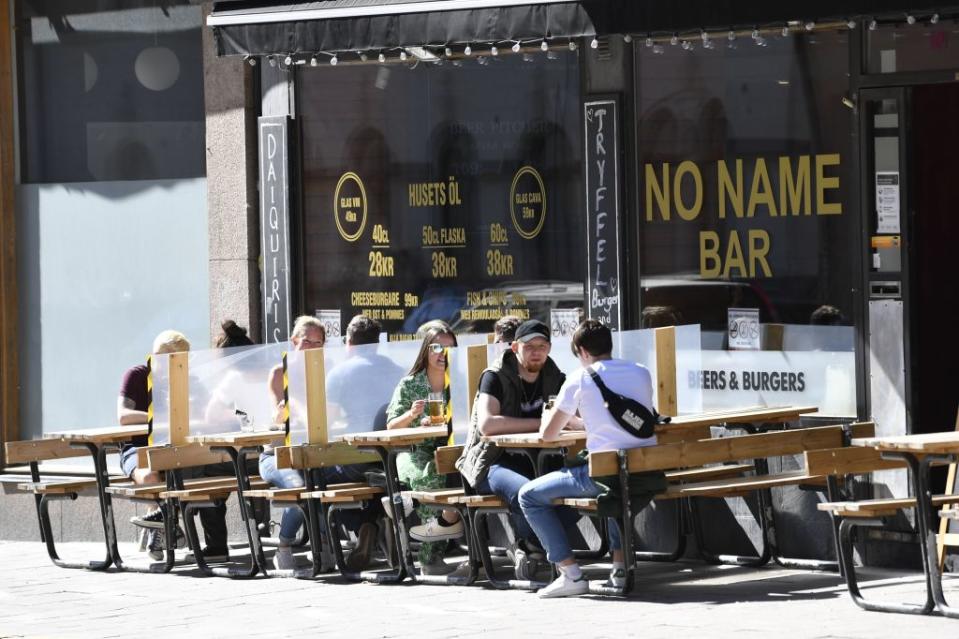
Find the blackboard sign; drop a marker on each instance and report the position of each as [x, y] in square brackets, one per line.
[601, 160]
[274, 226]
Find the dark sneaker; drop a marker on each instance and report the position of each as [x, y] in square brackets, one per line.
[213, 555]
[157, 543]
[153, 519]
[363, 552]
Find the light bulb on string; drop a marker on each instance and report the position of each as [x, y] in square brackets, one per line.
[704, 36]
[851, 24]
[515, 47]
[627, 38]
[272, 61]
[448, 52]
[594, 44]
[403, 55]
[572, 45]
[288, 60]
[873, 25]
[755, 34]
[674, 40]
[543, 46]
[363, 57]
[313, 61]
[493, 50]
[731, 36]
[810, 25]
[334, 60]
[934, 18]
[381, 57]
[649, 42]
[468, 51]
[910, 19]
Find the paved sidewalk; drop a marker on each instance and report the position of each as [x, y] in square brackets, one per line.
[687, 600]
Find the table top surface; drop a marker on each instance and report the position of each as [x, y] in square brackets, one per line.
[927, 443]
[396, 437]
[751, 415]
[106, 435]
[535, 440]
[237, 438]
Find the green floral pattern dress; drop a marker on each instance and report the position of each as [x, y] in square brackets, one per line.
[417, 469]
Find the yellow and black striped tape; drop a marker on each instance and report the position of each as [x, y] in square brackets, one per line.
[449, 402]
[149, 400]
[286, 402]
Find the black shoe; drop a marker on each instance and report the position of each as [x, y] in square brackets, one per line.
[213, 555]
[363, 552]
[157, 545]
[153, 519]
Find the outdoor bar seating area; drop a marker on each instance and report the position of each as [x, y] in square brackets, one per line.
[212, 407]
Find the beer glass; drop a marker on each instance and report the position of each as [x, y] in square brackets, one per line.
[435, 404]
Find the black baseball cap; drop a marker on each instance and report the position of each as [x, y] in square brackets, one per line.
[531, 329]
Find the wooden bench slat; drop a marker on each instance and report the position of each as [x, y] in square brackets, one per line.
[309, 456]
[142, 491]
[580, 503]
[206, 493]
[851, 460]
[483, 501]
[725, 449]
[345, 495]
[447, 496]
[188, 456]
[879, 507]
[35, 450]
[709, 472]
[57, 487]
[275, 494]
[738, 485]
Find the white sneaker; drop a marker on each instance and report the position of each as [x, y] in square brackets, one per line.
[617, 578]
[283, 559]
[563, 586]
[432, 531]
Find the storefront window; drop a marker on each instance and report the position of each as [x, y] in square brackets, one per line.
[746, 183]
[110, 90]
[922, 46]
[443, 191]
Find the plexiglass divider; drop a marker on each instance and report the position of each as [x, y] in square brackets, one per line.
[160, 399]
[360, 381]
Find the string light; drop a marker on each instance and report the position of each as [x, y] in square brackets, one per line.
[910, 19]
[627, 38]
[515, 47]
[594, 44]
[934, 19]
[493, 50]
[755, 34]
[786, 31]
[674, 40]
[272, 61]
[704, 36]
[572, 45]
[403, 55]
[810, 25]
[873, 25]
[288, 60]
[381, 57]
[468, 51]
[731, 36]
[363, 57]
[448, 52]
[250, 59]
[543, 46]
[851, 24]
[649, 42]
[334, 60]
[313, 61]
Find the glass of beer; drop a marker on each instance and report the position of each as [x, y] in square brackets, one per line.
[434, 406]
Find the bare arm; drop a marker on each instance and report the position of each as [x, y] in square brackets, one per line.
[553, 423]
[407, 419]
[127, 415]
[275, 385]
[490, 422]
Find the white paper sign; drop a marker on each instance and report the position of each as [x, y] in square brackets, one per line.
[563, 321]
[331, 322]
[887, 201]
[744, 329]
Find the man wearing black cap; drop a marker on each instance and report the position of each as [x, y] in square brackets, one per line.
[510, 399]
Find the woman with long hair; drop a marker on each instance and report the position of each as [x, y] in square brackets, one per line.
[417, 468]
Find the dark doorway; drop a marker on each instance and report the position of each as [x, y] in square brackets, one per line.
[934, 255]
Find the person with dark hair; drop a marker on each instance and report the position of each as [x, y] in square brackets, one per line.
[826, 315]
[232, 336]
[504, 330]
[510, 399]
[592, 343]
[417, 469]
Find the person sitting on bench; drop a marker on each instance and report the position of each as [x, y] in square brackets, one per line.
[592, 343]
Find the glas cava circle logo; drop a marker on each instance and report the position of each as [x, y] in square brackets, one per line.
[527, 202]
[349, 206]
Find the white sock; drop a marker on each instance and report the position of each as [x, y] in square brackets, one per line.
[619, 565]
[573, 571]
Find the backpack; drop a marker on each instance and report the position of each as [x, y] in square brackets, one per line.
[635, 418]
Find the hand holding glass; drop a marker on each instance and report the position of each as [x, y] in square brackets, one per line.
[436, 402]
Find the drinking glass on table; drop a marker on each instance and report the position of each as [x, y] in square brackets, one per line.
[434, 405]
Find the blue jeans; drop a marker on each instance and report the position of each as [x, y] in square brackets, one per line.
[536, 499]
[505, 480]
[286, 478]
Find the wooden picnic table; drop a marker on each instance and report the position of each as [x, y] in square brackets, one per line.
[237, 439]
[921, 452]
[388, 444]
[100, 436]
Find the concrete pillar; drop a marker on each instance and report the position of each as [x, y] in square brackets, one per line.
[231, 170]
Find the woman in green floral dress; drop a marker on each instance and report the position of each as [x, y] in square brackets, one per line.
[417, 469]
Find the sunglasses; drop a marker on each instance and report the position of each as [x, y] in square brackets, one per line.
[437, 348]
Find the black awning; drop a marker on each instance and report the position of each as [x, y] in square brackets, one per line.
[249, 27]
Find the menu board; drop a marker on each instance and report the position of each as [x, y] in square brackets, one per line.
[465, 212]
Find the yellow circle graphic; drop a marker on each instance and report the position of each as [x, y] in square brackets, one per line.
[531, 203]
[349, 222]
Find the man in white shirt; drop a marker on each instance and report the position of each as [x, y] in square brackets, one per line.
[593, 344]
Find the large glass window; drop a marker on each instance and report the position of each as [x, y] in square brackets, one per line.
[747, 180]
[921, 46]
[448, 191]
[110, 90]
